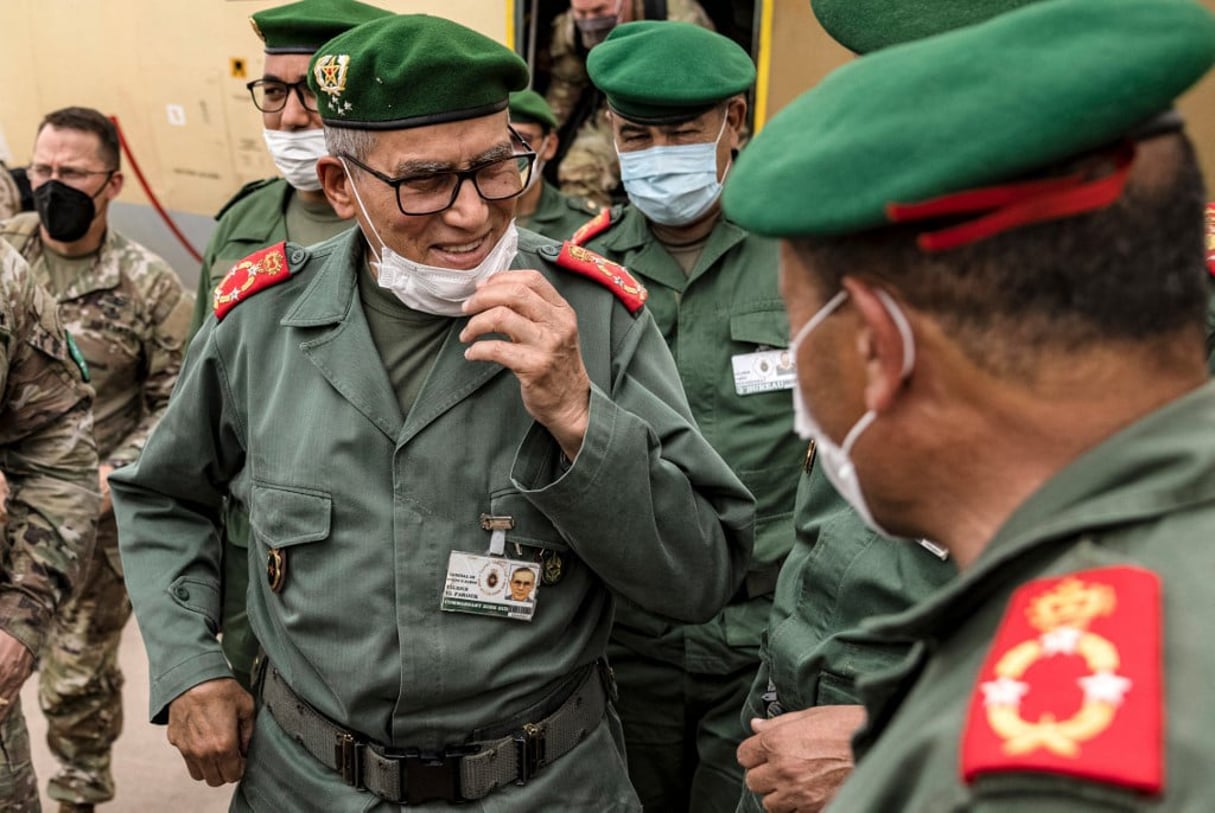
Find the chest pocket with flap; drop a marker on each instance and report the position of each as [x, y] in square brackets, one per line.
[282, 517]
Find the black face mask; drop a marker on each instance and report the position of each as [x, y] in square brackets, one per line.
[66, 213]
[595, 30]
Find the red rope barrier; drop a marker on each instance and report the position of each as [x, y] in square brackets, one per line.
[147, 190]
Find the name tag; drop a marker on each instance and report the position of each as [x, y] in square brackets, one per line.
[491, 585]
[765, 371]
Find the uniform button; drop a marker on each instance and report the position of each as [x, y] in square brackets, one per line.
[550, 251]
[299, 255]
[182, 592]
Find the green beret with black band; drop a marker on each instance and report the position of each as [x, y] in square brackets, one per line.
[528, 106]
[412, 70]
[303, 27]
[863, 26]
[978, 106]
[662, 72]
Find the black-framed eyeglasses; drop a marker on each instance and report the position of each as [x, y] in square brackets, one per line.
[270, 95]
[68, 175]
[434, 192]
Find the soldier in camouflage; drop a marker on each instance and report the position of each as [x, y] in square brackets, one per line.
[48, 454]
[129, 313]
[589, 169]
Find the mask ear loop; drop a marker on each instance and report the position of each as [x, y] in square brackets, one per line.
[904, 328]
[359, 199]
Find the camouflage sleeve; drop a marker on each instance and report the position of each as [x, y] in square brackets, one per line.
[170, 307]
[47, 454]
[689, 11]
[10, 196]
[567, 78]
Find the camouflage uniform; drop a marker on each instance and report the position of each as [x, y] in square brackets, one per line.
[589, 168]
[129, 314]
[10, 195]
[49, 457]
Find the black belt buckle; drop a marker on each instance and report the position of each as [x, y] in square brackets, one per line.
[348, 754]
[529, 752]
[430, 777]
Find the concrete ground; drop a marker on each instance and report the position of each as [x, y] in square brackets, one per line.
[148, 771]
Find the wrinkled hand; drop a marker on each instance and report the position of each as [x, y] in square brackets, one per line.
[542, 350]
[103, 473]
[211, 725]
[797, 761]
[16, 663]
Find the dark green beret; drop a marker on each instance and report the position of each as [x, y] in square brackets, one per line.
[974, 107]
[301, 28]
[862, 26]
[660, 72]
[410, 70]
[529, 106]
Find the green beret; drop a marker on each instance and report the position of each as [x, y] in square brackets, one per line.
[411, 70]
[978, 106]
[301, 28]
[863, 26]
[661, 72]
[529, 106]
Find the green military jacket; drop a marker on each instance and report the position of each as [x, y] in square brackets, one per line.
[728, 307]
[129, 315]
[284, 404]
[256, 217]
[558, 215]
[1144, 498]
[47, 455]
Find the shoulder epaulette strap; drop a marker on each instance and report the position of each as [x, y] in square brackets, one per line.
[584, 206]
[242, 193]
[607, 273]
[1072, 683]
[258, 271]
[592, 228]
[1211, 238]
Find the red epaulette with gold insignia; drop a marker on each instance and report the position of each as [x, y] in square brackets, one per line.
[592, 228]
[257, 271]
[613, 275]
[1210, 238]
[1072, 684]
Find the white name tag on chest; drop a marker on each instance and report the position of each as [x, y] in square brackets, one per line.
[765, 371]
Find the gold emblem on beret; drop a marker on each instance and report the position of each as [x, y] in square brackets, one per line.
[330, 73]
[276, 569]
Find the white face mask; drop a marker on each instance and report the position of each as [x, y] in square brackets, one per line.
[673, 186]
[836, 459]
[430, 288]
[295, 153]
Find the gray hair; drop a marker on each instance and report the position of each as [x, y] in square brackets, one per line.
[347, 141]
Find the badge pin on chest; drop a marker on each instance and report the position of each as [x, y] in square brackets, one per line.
[276, 569]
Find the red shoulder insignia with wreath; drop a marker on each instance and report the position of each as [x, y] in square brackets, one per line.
[612, 275]
[592, 228]
[1072, 683]
[1210, 238]
[257, 271]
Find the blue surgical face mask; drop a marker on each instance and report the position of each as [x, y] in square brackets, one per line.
[673, 186]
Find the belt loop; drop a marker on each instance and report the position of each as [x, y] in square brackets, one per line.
[348, 754]
[529, 752]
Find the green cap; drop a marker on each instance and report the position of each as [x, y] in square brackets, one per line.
[863, 26]
[411, 70]
[303, 27]
[978, 106]
[529, 106]
[661, 72]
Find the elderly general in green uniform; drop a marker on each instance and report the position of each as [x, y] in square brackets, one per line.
[129, 314]
[49, 458]
[291, 207]
[411, 412]
[542, 207]
[993, 250]
[676, 96]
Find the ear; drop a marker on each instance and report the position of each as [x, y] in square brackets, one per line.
[551, 149]
[736, 119]
[336, 185]
[117, 180]
[880, 343]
